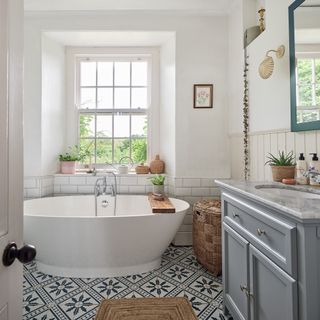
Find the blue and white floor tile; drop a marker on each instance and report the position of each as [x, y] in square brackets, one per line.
[55, 298]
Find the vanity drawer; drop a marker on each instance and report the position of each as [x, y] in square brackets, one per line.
[275, 238]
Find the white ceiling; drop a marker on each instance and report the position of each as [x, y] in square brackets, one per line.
[109, 38]
[195, 6]
[307, 36]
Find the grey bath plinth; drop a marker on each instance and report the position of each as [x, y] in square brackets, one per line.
[271, 252]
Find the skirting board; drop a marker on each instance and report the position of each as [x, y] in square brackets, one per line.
[183, 239]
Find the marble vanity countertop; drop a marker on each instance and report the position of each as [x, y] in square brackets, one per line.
[296, 206]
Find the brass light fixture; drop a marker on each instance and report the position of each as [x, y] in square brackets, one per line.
[261, 20]
[267, 65]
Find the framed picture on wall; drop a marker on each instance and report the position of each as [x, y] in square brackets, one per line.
[202, 96]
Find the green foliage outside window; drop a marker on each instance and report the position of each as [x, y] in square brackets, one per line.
[308, 88]
[104, 146]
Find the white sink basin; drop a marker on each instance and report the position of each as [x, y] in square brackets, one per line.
[291, 193]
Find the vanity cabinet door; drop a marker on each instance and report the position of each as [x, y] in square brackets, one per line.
[273, 293]
[235, 273]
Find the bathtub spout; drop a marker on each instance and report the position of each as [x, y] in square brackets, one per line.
[101, 188]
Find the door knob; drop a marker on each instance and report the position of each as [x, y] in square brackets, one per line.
[26, 254]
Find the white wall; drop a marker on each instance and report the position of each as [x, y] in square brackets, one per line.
[269, 101]
[32, 101]
[167, 104]
[53, 117]
[201, 136]
[44, 83]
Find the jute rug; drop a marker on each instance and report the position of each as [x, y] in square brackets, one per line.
[146, 309]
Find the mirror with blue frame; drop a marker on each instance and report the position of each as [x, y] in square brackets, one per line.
[304, 33]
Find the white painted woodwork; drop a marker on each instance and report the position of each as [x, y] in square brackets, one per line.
[261, 143]
[11, 153]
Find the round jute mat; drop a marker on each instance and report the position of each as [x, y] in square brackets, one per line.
[146, 309]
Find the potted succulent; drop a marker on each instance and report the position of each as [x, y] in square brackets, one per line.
[283, 166]
[158, 183]
[68, 160]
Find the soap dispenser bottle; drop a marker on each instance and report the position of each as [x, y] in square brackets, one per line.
[314, 170]
[301, 169]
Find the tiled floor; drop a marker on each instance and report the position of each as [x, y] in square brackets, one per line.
[51, 298]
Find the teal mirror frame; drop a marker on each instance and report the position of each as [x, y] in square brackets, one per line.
[313, 125]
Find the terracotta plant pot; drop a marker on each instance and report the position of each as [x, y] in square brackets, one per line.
[68, 167]
[282, 172]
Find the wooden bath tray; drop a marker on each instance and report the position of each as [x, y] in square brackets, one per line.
[164, 206]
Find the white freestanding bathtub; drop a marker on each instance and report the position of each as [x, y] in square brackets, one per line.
[72, 241]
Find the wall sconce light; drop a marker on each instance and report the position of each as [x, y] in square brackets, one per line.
[267, 65]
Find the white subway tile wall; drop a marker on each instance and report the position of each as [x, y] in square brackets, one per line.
[188, 189]
[261, 143]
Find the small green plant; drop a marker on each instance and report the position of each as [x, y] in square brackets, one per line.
[158, 180]
[73, 155]
[284, 160]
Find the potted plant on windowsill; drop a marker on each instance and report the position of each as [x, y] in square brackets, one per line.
[68, 160]
[158, 184]
[283, 166]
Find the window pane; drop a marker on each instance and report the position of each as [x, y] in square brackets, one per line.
[304, 71]
[309, 116]
[105, 73]
[121, 149]
[305, 95]
[88, 98]
[87, 150]
[104, 126]
[87, 123]
[122, 73]
[318, 95]
[318, 71]
[122, 98]
[139, 98]
[139, 73]
[105, 98]
[88, 73]
[139, 150]
[121, 126]
[139, 126]
[104, 151]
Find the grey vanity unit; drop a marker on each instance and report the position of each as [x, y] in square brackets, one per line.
[271, 251]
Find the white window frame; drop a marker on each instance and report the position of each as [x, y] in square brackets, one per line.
[74, 55]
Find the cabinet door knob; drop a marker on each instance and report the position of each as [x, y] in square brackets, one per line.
[235, 215]
[260, 232]
[246, 291]
[243, 288]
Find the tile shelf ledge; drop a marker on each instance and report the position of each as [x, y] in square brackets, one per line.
[85, 174]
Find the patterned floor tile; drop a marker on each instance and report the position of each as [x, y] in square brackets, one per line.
[79, 305]
[206, 286]
[109, 288]
[31, 302]
[46, 315]
[178, 273]
[158, 287]
[56, 298]
[60, 287]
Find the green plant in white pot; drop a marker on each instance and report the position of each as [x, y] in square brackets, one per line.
[68, 160]
[283, 166]
[158, 183]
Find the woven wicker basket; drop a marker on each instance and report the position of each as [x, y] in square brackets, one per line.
[207, 234]
[142, 169]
